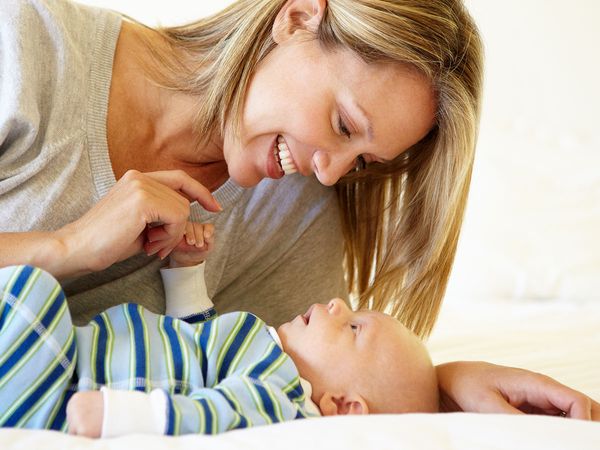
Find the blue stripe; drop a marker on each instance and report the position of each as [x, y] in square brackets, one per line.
[176, 356]
[299, 415]
[243, 421]
[139, 345]
[101, 350]
[170, 417]
[32, 337]
[34, 397]
[265, 363]
[207, 415]
[26, 272]
[204, 337]
[235, 345]
[266, 400]
[296, 393]
[61, 416]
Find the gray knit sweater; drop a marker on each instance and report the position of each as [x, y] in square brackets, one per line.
[279, 245]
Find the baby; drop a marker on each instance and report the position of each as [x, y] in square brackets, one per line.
[130, 370]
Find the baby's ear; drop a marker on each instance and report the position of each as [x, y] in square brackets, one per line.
[333, 405]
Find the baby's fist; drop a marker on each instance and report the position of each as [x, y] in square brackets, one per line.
[85, 411]
[196, 245]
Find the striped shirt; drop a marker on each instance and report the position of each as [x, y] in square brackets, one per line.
[213, 376]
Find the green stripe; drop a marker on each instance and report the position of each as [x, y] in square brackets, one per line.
[57, 384]
[110, 343]
[197, 353]
[146, 345]
[201, 417]
[131, 348]
[258, 404]
[33, 349]
[229, 340]
[94, 354]
[176, 420]
[215, 422]
[238, 407]
[185, 370]
[41, 313]
[274, 366]
[48, 368]
[212, 339]
[291, 385]
[9, 285]
[275, 402]
[168, 354]
[24, 293]
[258, 325]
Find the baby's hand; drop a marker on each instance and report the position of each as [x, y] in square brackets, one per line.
[195, 246]
[85, 411]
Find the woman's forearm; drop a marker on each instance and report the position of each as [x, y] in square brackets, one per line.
[47, 250]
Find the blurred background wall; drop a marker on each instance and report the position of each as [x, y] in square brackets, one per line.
[532, 228]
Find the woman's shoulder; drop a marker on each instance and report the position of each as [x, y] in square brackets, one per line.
[55, 66]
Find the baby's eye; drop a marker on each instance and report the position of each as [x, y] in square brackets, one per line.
[354, 327]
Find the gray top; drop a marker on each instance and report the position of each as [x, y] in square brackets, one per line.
[278, 245]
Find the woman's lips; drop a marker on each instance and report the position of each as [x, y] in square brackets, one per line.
[280, 161]
[273, 168]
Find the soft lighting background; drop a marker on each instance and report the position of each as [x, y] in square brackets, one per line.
[532, 228]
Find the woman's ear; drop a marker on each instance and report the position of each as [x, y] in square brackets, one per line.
[298, 15]
[334, 405]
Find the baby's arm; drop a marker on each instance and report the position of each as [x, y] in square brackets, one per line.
[183, 280]
[236, 402]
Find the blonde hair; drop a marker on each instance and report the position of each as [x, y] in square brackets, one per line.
[401, 220]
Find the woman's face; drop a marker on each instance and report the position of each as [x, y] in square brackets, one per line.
[327, 109]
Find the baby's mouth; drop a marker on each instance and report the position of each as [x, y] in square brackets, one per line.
[307, 314]
[284, 157]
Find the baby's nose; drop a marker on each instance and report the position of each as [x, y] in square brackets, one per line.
[336, 306]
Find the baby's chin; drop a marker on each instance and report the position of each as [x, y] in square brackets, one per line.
[282, 333]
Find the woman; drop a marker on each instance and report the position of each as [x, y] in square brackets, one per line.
[109, 129]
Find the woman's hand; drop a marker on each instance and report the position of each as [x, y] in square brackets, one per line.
[85, 412]
[475, 386]
[114, 229]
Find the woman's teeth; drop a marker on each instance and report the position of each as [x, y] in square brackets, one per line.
[284, 157]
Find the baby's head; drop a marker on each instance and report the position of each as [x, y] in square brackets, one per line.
[361, 362]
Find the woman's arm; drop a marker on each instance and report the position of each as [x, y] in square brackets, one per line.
[114, 229]
[476, 386]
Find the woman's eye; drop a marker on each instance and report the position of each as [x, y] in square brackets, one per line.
[354, 328]
[343, 128]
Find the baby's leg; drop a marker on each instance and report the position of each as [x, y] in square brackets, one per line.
[37, 349]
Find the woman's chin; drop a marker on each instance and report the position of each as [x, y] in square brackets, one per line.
[244, 178]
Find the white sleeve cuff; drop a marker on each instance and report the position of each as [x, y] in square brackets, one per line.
[127, 412]
[185, 290]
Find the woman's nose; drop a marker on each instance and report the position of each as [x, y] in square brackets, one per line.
[330, 167]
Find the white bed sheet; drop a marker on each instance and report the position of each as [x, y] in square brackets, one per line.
[561, 340]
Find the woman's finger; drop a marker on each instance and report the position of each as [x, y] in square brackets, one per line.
[552, 395]
[188, 186]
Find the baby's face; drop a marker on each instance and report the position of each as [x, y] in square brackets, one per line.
[334, 347]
